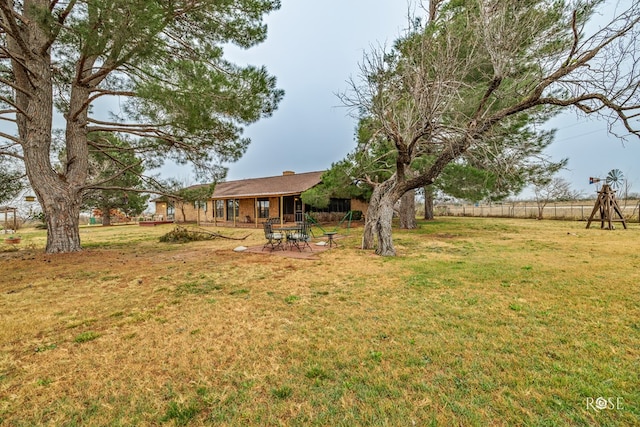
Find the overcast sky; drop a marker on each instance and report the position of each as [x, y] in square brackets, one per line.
[313, 48]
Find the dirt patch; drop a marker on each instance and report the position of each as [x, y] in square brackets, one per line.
[318, 246]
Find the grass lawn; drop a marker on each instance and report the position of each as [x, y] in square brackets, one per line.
[477, 322]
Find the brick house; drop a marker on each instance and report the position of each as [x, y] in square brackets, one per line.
[252, 201]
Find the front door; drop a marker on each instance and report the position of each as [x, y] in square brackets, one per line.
[298, 211]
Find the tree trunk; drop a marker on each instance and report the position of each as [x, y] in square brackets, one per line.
[106, 216]
[59, 189]
[184, 215]
[63, 233]
[408, 210]
[61, 207]
[368, 237]
[428, 203]
[379, 219]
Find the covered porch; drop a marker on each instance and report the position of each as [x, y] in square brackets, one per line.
[254, 211]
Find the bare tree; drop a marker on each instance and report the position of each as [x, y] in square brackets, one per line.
[556, 189]
[460, 83]
[625, 191]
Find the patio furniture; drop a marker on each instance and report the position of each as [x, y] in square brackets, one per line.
[274, 238]
[330, 241]
[288, 231]
[301, 237]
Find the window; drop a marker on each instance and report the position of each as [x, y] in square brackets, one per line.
[220, 209]
[335, 206]
[233, 209]
[200, 204]
[263, 208]
[340, 205]
[171, 209]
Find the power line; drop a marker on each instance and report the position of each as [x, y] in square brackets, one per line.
[578, 136]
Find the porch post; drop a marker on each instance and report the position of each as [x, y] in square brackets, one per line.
[302, 209]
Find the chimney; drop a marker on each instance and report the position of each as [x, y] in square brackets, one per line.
[286, 173]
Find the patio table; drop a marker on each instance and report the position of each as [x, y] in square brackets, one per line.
[330, 240]
[288, 230]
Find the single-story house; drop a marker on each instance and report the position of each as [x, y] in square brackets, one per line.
[252, 201]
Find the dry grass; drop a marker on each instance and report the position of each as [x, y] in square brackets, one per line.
[477, 322]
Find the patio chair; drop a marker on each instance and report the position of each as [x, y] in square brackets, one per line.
[274, 239]
[302, 237]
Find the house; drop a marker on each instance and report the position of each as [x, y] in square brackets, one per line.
[252, 201]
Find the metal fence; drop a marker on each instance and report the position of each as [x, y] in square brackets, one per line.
[579, 211]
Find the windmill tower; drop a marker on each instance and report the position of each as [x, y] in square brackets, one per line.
[606, 203]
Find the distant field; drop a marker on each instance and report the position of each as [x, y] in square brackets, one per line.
[579, 210]
[478, 321]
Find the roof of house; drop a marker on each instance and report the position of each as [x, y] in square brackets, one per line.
[289, 183]
[282, 185]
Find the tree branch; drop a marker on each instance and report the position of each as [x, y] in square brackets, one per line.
[11, 154]
[493, 86]
[95, 186]
[14, 30]
[10, 137]
[576, 39]
[15, 86]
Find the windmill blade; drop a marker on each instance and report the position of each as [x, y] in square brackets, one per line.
[615, 177]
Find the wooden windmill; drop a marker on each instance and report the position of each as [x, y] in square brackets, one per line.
[606, 203]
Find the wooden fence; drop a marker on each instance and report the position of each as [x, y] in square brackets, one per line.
[578, 211]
